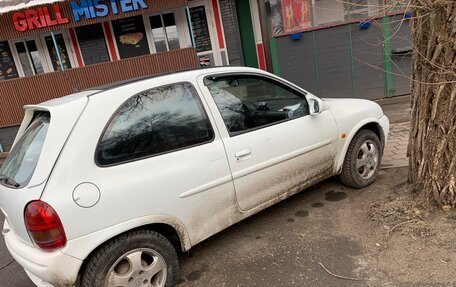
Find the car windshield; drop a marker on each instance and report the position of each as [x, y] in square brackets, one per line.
[23, 158]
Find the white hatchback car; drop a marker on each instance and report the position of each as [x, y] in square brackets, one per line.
[104, 187]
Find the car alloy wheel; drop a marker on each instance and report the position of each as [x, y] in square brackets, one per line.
[138, 268]
[367, 160]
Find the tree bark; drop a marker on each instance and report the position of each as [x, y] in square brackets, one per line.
[432, 145]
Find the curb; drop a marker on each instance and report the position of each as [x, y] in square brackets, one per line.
[393, 166]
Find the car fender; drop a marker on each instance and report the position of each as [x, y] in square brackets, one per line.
[83, 246]
[350, 136]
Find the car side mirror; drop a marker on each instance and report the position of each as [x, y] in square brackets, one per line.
[315, 105]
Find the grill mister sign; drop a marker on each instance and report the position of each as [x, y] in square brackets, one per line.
[42, 17]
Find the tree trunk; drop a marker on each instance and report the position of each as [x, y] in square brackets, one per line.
[432, 145]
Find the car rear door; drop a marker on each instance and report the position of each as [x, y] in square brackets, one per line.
[273, 144]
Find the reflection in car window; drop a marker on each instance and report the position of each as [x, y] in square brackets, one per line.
[249, 102]
[153, 122]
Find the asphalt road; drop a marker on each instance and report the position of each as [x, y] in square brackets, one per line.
[281, 246]
[11, 273]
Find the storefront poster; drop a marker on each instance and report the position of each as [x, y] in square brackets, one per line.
[8, 69]
[200, 29]
[130, 36]
[296, 15]
[205, 61]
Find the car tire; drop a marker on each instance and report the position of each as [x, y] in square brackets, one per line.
[142, 257]
[362, 160]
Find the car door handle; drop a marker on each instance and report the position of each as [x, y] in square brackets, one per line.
[243, 155]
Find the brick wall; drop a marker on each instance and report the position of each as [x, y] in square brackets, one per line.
[231, 29]
[7, 136]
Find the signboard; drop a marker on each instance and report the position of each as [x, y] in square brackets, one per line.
[90, 9]
[296, 15]
[130, 37]
[43, 17]
[200, 29]
[38, 18]
[8, 69]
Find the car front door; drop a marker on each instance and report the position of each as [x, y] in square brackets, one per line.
[274, 146]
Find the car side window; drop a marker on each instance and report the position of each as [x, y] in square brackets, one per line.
[249, 102]
[153, 122]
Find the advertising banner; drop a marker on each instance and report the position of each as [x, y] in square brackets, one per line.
[296, 15]
[130, 36]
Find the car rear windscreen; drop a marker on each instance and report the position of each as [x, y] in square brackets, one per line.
[23, 158]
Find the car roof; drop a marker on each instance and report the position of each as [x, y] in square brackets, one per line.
[192, 73]
[179, 76]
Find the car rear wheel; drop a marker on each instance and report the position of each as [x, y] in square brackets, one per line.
[139, 258]
[362, 161]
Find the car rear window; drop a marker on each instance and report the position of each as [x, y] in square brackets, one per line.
[154, 122]
[23, 158]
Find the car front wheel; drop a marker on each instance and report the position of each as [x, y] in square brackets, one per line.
[362, 160]
[139, 258]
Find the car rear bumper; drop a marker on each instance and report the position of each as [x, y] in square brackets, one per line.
[43, 268]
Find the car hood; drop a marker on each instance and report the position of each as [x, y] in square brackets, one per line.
[343, 108]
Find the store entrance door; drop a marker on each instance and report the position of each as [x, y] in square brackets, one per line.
[205, 34]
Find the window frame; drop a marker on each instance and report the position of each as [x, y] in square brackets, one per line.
[184, 40]
[201, 106]
[69, 47]
[45, 62]
[293, 88]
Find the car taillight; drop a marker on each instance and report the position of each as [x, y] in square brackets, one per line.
[44, 226]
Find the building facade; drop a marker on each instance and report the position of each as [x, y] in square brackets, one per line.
[51, 48]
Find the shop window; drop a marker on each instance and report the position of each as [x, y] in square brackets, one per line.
[164, 32]
[29, 57]
[327, 12]
[8, 68]
[92, 43]
[62, 51]
[291, 16]
[130, 36]
[393, 6]
[362, 9]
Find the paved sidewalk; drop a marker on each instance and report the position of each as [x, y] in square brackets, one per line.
[395, 154]
[398, 111]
